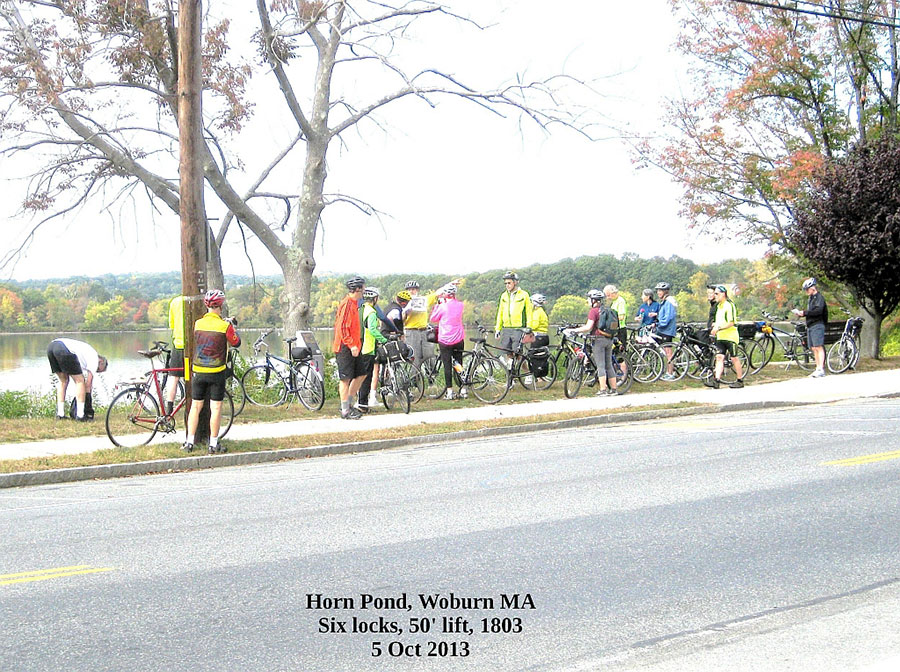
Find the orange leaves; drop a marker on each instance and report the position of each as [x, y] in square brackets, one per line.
[793, 173]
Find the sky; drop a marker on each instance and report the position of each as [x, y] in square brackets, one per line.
[459, 189]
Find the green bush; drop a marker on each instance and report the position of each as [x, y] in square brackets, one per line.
[16, 404]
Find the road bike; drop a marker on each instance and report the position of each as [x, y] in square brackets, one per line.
[482, 373]
[581, 369]
[393, 385]
[794, 345]
[278, 380]
[844, 353]
[134, 417]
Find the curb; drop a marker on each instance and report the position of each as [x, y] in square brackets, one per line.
[49, 476]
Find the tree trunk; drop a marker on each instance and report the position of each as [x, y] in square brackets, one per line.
[870, 345]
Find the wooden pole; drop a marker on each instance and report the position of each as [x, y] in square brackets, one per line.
[192, 211]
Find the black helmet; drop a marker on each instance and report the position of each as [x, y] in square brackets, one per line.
[809, 282]
[511, 275]
[412, 284]
[665, 286]
[595, 295]
[355, 283]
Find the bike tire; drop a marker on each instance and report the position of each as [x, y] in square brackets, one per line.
[574, 377]
[767, 343]
[682, 362]
[841, 355]
[416, 381]
[310, 387]
[488, 379]
[236, 389]
[803, 355]
[227, 417]
[624, 379]
[400, 385]
[264, 386]
[647, 364]
[756, 356]
[132, 418]
[729, 374]
[432, 371]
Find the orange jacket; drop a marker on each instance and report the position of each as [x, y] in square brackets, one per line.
[347, 329]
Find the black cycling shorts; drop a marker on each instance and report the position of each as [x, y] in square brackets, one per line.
[176, 361]
[727, 348]
[664, 338]
[348, 366]
[208, 386]
[63, 361]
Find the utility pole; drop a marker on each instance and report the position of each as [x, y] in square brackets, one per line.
[192, 211]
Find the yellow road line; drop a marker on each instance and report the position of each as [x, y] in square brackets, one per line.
[865, 459]
[55, 573]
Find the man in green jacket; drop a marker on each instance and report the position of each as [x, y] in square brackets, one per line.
[513, 314]
[371, 336]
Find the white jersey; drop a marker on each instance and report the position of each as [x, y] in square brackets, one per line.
[87, 356]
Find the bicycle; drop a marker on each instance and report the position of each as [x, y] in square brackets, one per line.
[394, 385]
[581, 369]
[278, 380]
[695, 356]
[644, 353]
[844, 353]
[134, 418]
[481, 372]
[794, 345]
[533, 368]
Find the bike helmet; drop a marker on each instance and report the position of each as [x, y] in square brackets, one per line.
[722, 289]
[511, 275]
[449, 290]
[809, 282]
[355, 283]
[665, 286]
[370, 293]
[214, 298]
[538, 299]
[412, 284]
[595, 295]
[403, 295]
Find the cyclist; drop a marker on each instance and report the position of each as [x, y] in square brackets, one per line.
[448, 315]
[176, 356]
[713, 305]
[648, 309]
[513, 313]
[371, 337]
[666, 322]
[212, 336]
[346, 346]
[394, 312]
[415, 319]
[618, 304]
[78, 361]
[539, 323]
[598, 320]
[816, 315]
[726, 334]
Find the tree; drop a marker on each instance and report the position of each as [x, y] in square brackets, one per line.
[775, 95]
[849, 227]
[569, 309]
[64, 100]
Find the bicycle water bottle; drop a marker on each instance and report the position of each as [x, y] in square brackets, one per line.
[457, 367]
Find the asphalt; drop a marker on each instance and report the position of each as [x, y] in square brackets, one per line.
[786, 393]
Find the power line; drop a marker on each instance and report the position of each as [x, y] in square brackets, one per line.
[827, 14]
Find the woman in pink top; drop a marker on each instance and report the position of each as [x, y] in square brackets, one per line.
[451, 334]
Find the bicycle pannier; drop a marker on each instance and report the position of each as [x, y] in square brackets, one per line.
[539, 358]
[300, 353]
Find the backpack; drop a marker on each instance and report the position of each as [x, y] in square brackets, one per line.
[612, 321]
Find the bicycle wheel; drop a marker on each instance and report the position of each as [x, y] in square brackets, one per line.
[400, 387]
[647, 364]
[416, 381]
[801, 354]
[841, 355]
[433, 377]
[132, 417]
[228, 414]
[729, 374]
[488, 379]
[756, 356]
[310, 388]
[682, 362]
[624, 379]
[545, 381]
[767, 343]
[574, 377]
[264, 386]
[236, 389]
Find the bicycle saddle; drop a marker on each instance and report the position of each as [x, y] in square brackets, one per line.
[150, 354]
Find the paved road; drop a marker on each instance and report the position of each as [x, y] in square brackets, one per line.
[684, 544]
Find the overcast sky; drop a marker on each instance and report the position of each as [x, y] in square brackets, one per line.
[462, 190]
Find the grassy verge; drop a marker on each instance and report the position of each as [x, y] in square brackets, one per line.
[166, 451]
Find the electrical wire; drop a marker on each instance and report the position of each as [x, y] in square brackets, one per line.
[825, 13]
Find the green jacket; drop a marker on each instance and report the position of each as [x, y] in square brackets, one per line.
[371, 331]
[514, 310]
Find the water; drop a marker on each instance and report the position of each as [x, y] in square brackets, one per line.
[24, 366]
